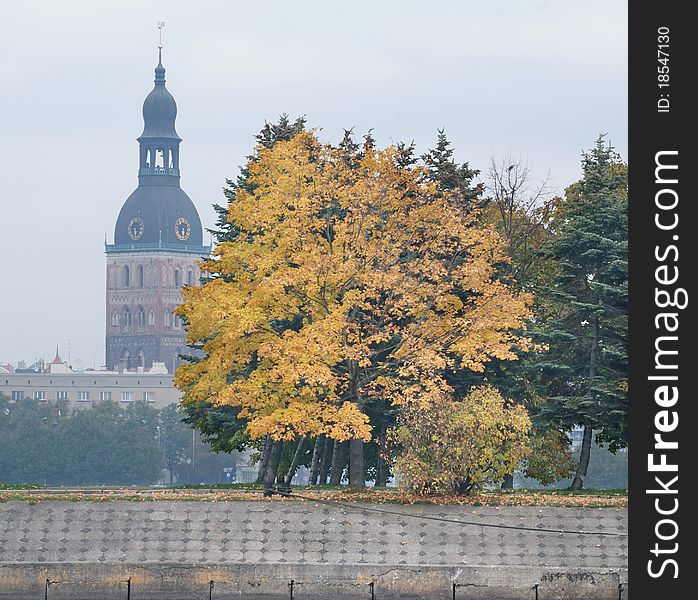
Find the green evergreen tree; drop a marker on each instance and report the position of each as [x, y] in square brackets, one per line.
[582, 307]
[451, 176]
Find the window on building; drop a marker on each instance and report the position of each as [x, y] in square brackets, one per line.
[105, 396]
[151, 318]
[61, 395]
[148, 396]
[83, 396]
[177, 278]
[127, 276]
[139, 276]
[39, 395]
[190, 277]
[115, 319]
[127, 396]
[167, 316]
[17, 395]
[140, 317]
[127, 317]
[177, 322]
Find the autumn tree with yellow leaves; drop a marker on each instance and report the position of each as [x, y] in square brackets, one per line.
[353, 279]
[460, 445]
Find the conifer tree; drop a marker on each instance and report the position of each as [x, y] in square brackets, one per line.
[582, 307]
[456, 179]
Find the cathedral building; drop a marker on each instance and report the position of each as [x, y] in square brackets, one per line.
[158, 240]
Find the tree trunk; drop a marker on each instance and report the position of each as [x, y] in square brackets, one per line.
[357, 471]
[381, 463]
[508, 482]
[381, 469]
[338, 462]
[272, 466]
[315, 463]
[578, 481]
[265, 452]
[294, 463]
[326, 461]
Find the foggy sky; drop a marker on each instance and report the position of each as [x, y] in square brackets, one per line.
[537, 79]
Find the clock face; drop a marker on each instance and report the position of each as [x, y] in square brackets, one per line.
[135, 228]
[182, 228]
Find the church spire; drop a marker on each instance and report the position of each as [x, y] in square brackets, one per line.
[159, 142]
[160, 70]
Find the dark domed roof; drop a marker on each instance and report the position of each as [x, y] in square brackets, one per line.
[159, 109]
[157, 213]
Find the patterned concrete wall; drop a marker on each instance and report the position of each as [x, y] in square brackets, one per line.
[244, 539]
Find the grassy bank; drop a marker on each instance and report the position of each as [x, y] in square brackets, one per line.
[250, 492]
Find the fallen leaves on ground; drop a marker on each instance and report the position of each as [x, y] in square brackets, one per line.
[591, 500]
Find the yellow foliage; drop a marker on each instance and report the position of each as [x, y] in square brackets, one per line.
[550, 458]
[456, 446]
[347, 282]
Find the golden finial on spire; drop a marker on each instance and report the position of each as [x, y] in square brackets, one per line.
[161, 24]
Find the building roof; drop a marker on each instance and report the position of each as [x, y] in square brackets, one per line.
[159, 208]
[57, 360]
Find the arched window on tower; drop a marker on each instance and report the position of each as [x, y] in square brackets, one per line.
[177, 278]
[151, 318]
[125, 359]
[139, 276]
[115, 319]
[167, 317]
[190, 277]
[127, 276]
[140, 317]
[127, 317]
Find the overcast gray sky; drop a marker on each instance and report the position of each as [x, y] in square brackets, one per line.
[539, 79]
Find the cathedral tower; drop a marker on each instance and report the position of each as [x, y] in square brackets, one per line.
[157, 241]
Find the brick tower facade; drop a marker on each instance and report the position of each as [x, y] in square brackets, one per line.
[157, 242]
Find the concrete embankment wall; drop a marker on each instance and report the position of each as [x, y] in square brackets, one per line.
[253, 550]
